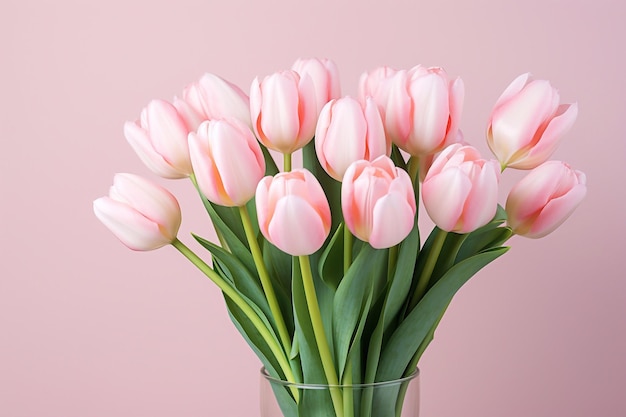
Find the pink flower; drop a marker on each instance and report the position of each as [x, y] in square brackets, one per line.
[527, 123]
[376, 84]
[544, 199]
[212, 97]
[378, 202]
[227, 161]
[160, 137]
[293, 212]
[143, 215]
[423, 110]
[460, 191]
[325, 77]
[347, 132]
[284, 110]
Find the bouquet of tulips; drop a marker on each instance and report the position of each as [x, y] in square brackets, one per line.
[322, 266]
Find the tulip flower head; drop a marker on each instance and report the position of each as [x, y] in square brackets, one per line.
[143, 215]
[378, 202]
[376, 84]
[293, 212]
[284, 110]
[542, 200]
[227, 161]
[325, 77]
[423, 110]
[347, 132]
[212, 97]
[159, 137]
[527, 123]
[460, 191]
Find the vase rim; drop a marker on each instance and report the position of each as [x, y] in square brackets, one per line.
[301, 385]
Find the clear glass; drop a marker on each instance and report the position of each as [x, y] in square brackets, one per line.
[398, 398]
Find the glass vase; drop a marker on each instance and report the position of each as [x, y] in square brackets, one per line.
[397, 398]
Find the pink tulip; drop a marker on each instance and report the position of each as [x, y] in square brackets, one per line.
[460, 191]
[143, 215]
[527, 123]
[160, 137]
[544, 199]
[423, 110]
[227, 161]
[376, 84]
[325, 76]
[378, 202]
[347, 132]
[212, 97]
[293, 212]
[284, 111]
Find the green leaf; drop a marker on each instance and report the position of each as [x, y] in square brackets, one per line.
[407, 338]
[353, 298]
[331, 187]
[237, 247]
[483, 239]
[397, 158]
[331, 260]
[278, 265]
[247, 283]
[400, 286]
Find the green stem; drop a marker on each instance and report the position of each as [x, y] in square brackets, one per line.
[347, 248]
[256, 321]
[348, 392]
[320, 335]
[286, 162]
[414, 168]
[266, 282]
[429, 266]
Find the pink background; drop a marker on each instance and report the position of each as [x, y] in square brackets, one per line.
[89, 328]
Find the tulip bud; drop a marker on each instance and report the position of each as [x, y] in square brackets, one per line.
[284, 111]
[347, 132]
[325, 77]
[160, 138]
[527, 123]
[460, 191]
[378, 202]
[293, 212]
[423, 110]
[212, 97]
[544, 199]
[143, 215]
[227, 161]
[376, 84]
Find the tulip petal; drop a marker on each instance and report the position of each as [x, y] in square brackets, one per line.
[556, 212]
[431, 112]
[128, 225]
[296, 228]
[444, 197]
[140, 142]
[393, 220]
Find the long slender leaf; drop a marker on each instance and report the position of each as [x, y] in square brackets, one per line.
[352, 300]
[411, 332]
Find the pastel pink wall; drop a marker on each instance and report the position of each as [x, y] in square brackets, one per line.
[89, 328]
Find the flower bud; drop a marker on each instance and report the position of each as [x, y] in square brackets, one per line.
[293, 212]
[325, 77]
[347, 132]
[143, 215]
[376, 84]
[460, 191]
[159, 138]
[527, 123]
[227, 161]
[212, 97]
[542, 200]
[423, 110]
[378, 202]
[284, 110]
